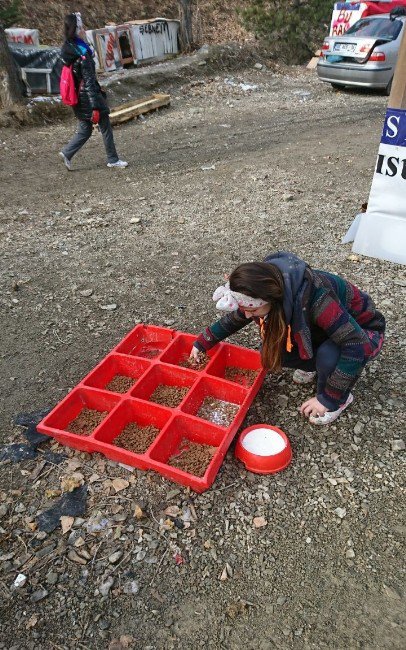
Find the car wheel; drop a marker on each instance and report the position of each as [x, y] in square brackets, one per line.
[337, 86]
[388, 87]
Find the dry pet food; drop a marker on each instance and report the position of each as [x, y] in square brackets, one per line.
[201, 362]
[242, 376]
[169, 395]
[136, 438]
[192, 457]
[86, 421]
[120, 384]
[218, 411]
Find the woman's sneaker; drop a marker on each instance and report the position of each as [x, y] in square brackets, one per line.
[119, 163]
[330, 416]
[303, 377]
[68, 163]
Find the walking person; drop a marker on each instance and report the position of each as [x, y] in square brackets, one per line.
[310, 320]
[92, 107]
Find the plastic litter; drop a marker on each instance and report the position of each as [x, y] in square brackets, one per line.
[71, 504]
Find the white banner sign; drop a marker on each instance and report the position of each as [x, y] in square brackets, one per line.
[382, 229]
[21, 35]
[345, 15]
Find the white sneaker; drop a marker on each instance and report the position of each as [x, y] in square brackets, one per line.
[330, 416]
[68, 163]
[119, 163]
[303, 377]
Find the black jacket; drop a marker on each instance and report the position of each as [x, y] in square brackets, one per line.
[91, 96]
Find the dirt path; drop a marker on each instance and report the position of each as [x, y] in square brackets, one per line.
[223, 176]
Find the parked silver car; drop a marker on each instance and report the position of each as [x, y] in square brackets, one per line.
[365, 55]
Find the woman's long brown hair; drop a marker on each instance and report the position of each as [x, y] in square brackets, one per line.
[262, 280]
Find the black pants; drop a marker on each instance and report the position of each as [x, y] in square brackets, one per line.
[324, 362]
[83, 133]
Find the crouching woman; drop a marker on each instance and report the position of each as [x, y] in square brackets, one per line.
[313, 321]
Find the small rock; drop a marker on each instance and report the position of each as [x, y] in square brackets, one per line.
[138, 511]
[350, 554]
[135, 220]
[110, 307]
[104, 624]
[283, 400]
[281, 600]
[224, 574]
[119, 484]
[172, 511]
[288, 197]
[391, 592]
[258, 66]
[259, 522]
[52, 578]
[131, 587]
[86, 293]
[38, 595]
[359, 427]
[74, 557]
[114, 557]
[3, 510]
[106, 586]
[20, 581]
[340, 512]
[172, 494]
[398, 445]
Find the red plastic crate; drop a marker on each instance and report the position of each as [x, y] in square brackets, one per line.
[146, 341]
[130, 410]
[230, 357]
[168, 444]
[56, 424]
[116, 364]
[211, 387]
[151, 355]
[162, 375]
[179, 351]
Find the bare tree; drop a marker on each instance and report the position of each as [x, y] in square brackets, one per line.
[10, 81]
[186, 29]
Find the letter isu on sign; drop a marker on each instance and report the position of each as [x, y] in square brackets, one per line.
[382, 229]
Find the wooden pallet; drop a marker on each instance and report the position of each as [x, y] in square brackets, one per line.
[129, 110]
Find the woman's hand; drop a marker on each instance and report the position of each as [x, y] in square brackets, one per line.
[194, 355]
[312, 407]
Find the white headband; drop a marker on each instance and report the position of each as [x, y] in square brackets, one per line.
[227, 300]
[79, 22]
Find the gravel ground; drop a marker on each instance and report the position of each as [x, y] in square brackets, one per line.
[309, 558]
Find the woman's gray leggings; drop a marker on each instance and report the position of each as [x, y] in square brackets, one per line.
[83, 133]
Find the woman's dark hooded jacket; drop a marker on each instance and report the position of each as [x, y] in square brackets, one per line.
[91, 96]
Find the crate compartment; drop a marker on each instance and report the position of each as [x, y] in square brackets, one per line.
[57, 423]
[238, 365]
[131, 413]
[160, 375]
[116, 365]
[146, 341]
[209, 395]
[191, 444]
[179, 351]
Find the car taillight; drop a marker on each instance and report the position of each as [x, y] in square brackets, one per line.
[325, 46]
[377, 56]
